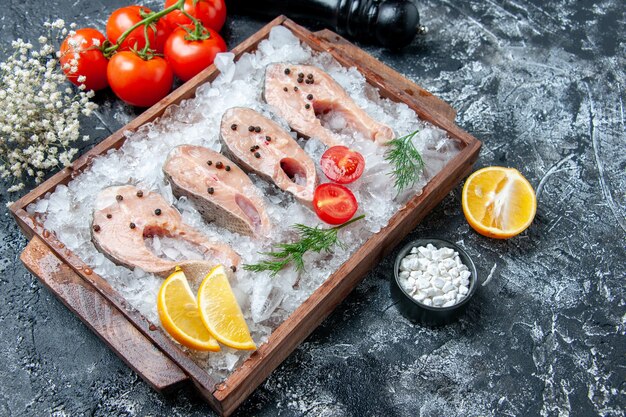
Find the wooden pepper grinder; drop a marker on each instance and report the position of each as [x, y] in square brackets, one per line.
[390, 23]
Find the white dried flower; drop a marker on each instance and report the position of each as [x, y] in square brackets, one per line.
[58, 24]
[39, 116]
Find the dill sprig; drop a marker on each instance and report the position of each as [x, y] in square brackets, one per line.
[406, 160]
[313, 239]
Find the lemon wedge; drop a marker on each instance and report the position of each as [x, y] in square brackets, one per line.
[221, 313]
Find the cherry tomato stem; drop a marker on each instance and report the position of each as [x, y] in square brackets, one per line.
[147, 21]
[212, 13]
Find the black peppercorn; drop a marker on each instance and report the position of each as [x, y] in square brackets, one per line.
[234, 268]
[295, 88]
[233, 126]
[310, 96]
[250, 128]
[267, 138]
[309, 81]
[109, 216]
[219, 165]
[252, 148]
[285, 89]
[209, 163]
[227, 168]
[287, 71]
[132, 225]
[300, 80]
[307, 106]
[210, 190]
[139, 193]
[157, 212]
[300, 75]
[119, 197]
[257, 129]
[256, 154]
[310, 76]
[96, 228]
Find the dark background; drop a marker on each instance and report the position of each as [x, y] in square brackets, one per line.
[542, 85]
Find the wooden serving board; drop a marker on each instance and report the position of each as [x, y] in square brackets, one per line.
[143, 345]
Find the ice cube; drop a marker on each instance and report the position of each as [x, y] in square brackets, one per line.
[224, 63]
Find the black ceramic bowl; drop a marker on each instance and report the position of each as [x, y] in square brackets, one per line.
[421, 313]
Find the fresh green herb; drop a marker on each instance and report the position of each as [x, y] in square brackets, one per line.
[406, 160]
[313, 239]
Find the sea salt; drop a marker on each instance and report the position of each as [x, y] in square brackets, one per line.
[446, 281]
[265, 301]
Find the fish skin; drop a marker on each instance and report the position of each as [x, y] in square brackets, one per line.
[327, 94]
[126, 247]
[189, 175]
[281, 153]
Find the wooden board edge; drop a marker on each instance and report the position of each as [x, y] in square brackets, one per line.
[283, 340]
[386, 85]
[204, 382]
[104, 320]
[429, 100]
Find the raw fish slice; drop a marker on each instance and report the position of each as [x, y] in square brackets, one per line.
[260, 145]
[125, 215]
[299, 93]
[217, 188]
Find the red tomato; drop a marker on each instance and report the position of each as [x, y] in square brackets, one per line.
[342, 165]
[164, 30]
[188, 58]
[212, 13]
[90, 62]
[137, 81]
[122, 19]
[334, 204]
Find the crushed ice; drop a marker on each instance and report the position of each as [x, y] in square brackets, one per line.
[266, 301]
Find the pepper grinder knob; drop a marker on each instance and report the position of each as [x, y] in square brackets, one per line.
[391, 23]
[397, 24]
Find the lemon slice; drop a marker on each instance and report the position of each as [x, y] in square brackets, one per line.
[180, 316]
[499, 202]
[221, 313]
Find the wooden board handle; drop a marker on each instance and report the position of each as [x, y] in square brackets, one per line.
[101, 317]
[427, 99]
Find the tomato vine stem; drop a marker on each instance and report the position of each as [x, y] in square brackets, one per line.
[199, 33]
[153, 17]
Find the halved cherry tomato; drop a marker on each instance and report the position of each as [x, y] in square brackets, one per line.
[81, 51]
[188, 57]
[137, 81]
[125, 17]
[212, 13]
[342, 165]
[334, 204]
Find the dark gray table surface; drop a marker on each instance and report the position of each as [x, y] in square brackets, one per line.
[542, 85]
